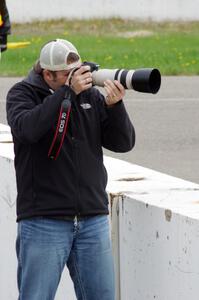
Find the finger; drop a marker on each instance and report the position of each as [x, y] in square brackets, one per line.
[120, 89]
[81, 81]
[87, 86]
[87, 76]
[82, 69]
[112, 87]
[109, 83]
[112, 95]
[115, 84]
[119, 86]
[109, 91]
[110, 99]
[83, 78]
[88, 80]
[70, 77]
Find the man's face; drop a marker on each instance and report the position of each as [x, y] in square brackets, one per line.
[58, 78]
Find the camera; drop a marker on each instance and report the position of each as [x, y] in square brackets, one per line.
[147, 80]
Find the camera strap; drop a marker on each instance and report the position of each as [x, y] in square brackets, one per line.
[61, 129]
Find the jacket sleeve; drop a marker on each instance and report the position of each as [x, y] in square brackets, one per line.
[117, 131]
[30, 121]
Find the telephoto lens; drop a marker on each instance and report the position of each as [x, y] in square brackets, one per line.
[141, 80]
[147, 80]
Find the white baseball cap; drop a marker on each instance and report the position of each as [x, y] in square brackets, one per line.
[54, 55]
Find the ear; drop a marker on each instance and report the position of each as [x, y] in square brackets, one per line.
[47, 75]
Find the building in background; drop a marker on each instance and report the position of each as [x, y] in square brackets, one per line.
[157, 10]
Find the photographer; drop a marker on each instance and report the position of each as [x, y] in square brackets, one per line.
[62, 204]
[4, 25]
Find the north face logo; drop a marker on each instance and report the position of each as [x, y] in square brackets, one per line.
[85, 105]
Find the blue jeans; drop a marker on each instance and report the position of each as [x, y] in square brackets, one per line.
[44, 246]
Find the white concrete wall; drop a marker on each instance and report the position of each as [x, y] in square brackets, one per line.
[155, 231]
[27, 10]
[158, 255]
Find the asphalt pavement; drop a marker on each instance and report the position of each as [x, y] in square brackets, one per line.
[166, 124]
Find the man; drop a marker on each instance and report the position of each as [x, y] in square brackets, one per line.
[62, 204]
[4, 25]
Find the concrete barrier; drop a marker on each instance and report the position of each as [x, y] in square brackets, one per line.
[155, 233]
[154, 226]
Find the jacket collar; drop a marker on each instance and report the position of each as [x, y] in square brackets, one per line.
[37, 81]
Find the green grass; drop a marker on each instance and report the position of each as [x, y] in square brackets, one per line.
[113, 43]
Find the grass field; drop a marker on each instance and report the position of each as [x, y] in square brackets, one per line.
[113, 43]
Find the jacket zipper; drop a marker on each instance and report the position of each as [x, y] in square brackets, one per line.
[75, 221]
[77, 177]
[74, 143]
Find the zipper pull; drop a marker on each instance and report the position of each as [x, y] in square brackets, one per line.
[75, 221]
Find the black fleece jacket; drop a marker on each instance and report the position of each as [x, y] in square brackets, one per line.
[75, 183]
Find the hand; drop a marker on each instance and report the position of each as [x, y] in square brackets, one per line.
[115, 92]
[81, 80]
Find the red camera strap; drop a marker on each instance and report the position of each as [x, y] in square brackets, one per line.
[61, 129]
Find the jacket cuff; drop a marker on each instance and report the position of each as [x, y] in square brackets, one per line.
[115, 107]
